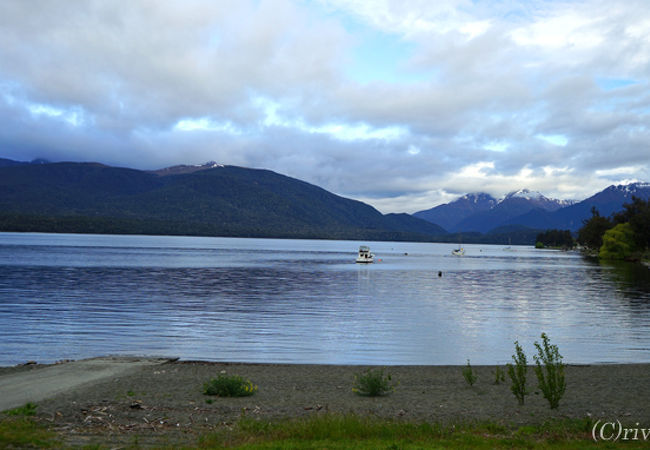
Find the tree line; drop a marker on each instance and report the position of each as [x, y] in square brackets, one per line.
[555, 239]
[623, 236]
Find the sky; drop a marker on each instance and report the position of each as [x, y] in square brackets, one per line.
[404, 105]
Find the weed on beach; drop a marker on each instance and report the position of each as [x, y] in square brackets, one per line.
[229, 386]
[499, 375]
[469, 374]
[517, 374]
[373, 383]
[550, 371]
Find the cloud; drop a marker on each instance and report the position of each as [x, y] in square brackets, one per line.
[400, 104]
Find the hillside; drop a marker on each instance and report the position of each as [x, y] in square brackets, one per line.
[212, 200]
[450, 214]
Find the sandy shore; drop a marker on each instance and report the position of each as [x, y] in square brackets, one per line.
[168, 397]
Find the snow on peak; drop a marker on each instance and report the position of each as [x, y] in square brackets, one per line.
[567, 202]
[477, 197]
[525, 194]
[631, 188]
[210, 165]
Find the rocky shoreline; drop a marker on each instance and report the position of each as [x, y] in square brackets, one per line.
[168, 398]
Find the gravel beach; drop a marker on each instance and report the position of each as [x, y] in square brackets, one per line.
[167, 398]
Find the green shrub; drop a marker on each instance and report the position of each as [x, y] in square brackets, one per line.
[550, 378]
[499, 375]
[517, 374]
[229, 386]
[618, 242]
[373, 383]
[469, 374]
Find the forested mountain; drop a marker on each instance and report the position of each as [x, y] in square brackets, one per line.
[218, 200]
[207, 200]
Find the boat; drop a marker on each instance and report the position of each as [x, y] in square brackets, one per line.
[460, 251]
[365, 257]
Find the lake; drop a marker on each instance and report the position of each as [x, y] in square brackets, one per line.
[66, 296]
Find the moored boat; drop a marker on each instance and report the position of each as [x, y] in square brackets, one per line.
[365, 257]
[460, 251]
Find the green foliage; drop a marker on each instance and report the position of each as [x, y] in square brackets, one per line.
[517, 374]
[555, 238]
[618, 243]
[28, 409]
[469, 374]
[637, 214]
[229, 386]
[539, 244]
[373, 383]
[629, 238]
[550, 377]
[499, 375]
[592, 231]
[24, 432]
[334, 431]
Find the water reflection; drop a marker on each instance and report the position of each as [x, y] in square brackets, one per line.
[306, 301]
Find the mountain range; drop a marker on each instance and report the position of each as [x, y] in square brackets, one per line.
[210, 199]
[480, 212]
[220, 200]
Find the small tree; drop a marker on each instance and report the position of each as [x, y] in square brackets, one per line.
[618, 242]
[550, 377]
[469, 374]
[517, 373]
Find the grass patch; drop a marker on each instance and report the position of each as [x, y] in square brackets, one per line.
[28, 409]
[355, 432]
[23, 432]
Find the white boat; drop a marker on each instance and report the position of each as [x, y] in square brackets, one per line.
[365, 257]
[460, 251]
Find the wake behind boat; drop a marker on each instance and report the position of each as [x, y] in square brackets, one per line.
[365, 257]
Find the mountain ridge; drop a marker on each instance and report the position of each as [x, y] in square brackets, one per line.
[207, 200]
[217, 199]
[532, 209]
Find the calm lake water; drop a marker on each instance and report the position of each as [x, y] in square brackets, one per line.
[306, 301]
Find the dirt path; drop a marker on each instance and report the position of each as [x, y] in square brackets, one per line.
[22, 386]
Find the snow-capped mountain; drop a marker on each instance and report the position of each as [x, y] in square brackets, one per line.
[530, 209]
[536, 199]
[449, 214]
